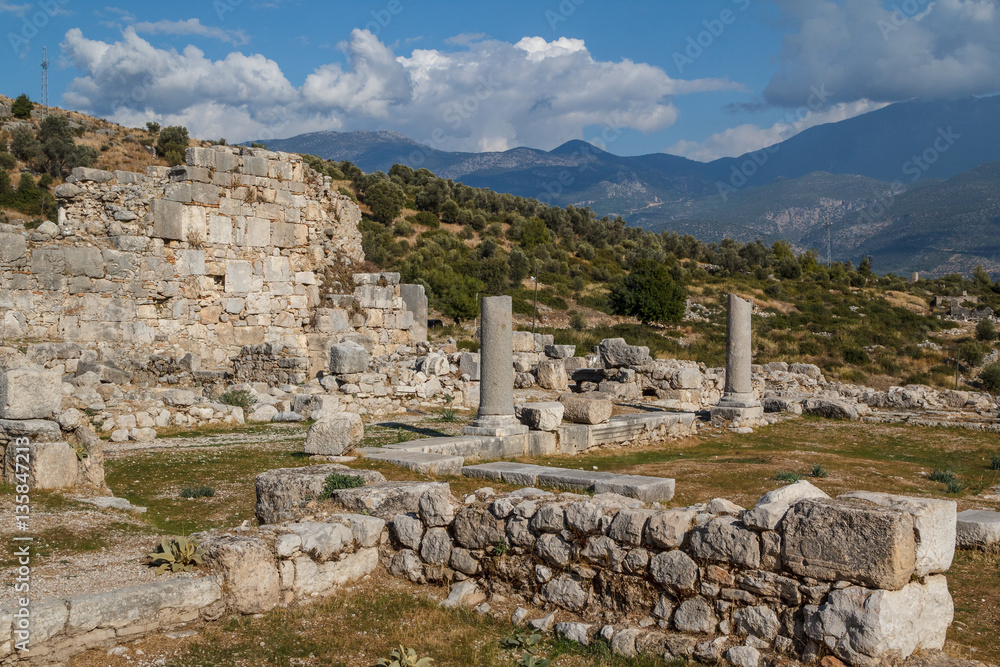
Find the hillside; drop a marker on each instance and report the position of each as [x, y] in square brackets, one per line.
[826, 173]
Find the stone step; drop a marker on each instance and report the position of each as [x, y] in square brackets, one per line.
[422, 462]
[646, 489]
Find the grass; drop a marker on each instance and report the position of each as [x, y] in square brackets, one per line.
[203, 491]
[788, 477]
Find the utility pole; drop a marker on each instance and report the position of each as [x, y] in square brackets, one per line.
[534, 309]
[829, 243]
[958, 364]
[45, 82]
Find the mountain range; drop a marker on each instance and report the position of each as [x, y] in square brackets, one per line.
[915, 184]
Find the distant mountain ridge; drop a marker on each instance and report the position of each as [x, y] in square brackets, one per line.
[827, 173]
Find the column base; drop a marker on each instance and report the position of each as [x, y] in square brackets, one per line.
[737, 417]
[496, 426]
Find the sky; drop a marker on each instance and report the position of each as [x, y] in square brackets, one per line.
[703, 79]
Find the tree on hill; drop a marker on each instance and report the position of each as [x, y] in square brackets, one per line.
[386, 200]
[986, 331]
[172, 142]
[22, 107]
[648, 293]
[61, 153]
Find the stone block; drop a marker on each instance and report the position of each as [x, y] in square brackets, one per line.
[201, 157]
[258, 232]
[524, 341]
[878, 627]
[84, 261]
[123, 607]
[250, 580]
[934, 523]
[84, 174]
[774, 505]
[616, 353]
[281, 491]
[30, 393]
[120, 264]
[50, 465]
[12, 247]
[849, 540]
[48, 261]
[189, 262]
[174, 221]
[978, 529]
[552, 375]
[560, 351]
[415, 301]
[582, 409]
[288, 235]
[468, 364]
[540, 416]
[239, 276]
[220, 229]
[831, 408]
[724, 539]
[348, 357]
[334, 434]
[686, 378]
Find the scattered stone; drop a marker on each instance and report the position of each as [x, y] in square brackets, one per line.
[978, 529]
[335, 434]
[546, 416]
[582, 409]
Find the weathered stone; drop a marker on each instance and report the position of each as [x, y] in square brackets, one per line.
[348, 357]
[263, 414]
[560, 351]
[251, 582]
[334, 434]
[464, 594]
[686, 378]
[667, 530]
[462, 561]
[385, 499]
[436, 510]
[29, 393]
[566, 592]
[124, 606]
[406, 563]
[50, 465]
[934, 525]
[831, 408]
[628, 526]
[758, 620]
[436, 547]
[553, 549]
[695, 615]
[541, 416]
[675, 570]
[774, 505]
[575, 632]
[875, 627]
[549, 518]
[743, 656]
[978, 529]
[582, 409]
[322, 541]
[603, 551]
[281, 491]
[725, 539]
[584, 517]
[434, 364]
[477, 528]
[849, 540]
[552, 375]
[408, 531]
[616, 353]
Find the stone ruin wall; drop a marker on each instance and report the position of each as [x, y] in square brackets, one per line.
[231, 249]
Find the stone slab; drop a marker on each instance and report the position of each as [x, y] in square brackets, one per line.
[427, 464]
[978, 529]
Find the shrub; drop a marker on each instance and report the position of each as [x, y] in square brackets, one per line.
[241, 398]
[176, 554]
[347, 193]
[819, 471]
[986, 331]
[153, 128]
[385, 199]
[648, 293]
[22, 107]
[943, 476]
[995, 462]
[7, 160]
[197, 492]
[172, 142]
[448, 415]
[577, 321]
[338, 481]
[990, 377]
[972, 353]
[954, 486]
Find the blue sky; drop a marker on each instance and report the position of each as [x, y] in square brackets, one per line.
[702, 79]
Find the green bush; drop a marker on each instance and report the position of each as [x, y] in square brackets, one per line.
[943, 476]
[972, 353]
[22, 107]
[241, 398]
[338, 481]
[787, 477]
[995, 462]
[7, 160]
[197, 492]
[986, 331]
[172, 142]
[990, 377]
[649, 294]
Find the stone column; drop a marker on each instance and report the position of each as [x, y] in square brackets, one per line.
[738, 403]
[496, 363]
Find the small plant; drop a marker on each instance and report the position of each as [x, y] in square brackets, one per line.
[501, 548]
[448, 415]
[819, 471]
[521, 640]
[943, 476]
[241, 398]
[788, 477]
[339, 481]
[177, 554]
[529, 660]
[995, 462]
[197, 492]
[404, 657]
[80, 450]
[954, 486]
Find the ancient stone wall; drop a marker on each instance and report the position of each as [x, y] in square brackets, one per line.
[237, 247]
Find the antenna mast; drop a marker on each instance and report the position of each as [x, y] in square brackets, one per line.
[45, 82]
[829, 243]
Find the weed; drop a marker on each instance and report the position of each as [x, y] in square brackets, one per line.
[819, 471]
[197, 492]
[787, 477]
[954, 486]
[995, 462]
[943, 476]
[177, 554]
[501, 548]
[339, 481]
[449, 415]
[241, 398]
[404, 657]
[528, 660]
[521, 640]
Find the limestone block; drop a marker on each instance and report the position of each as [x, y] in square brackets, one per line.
[524, 341]
[176, 222]
[120, 264]
[934, 523]
[724, 539]
[477, 528]
[667, 530]
[552, 375]
[464, 594]
[849, 540]
[220, 229]
[582, 409]
[686, 378]
[190, 262]
[348, 357]
[566, 592]
[540, 416]
[322, 541]
[48, 261]
[774, 505]
[560, 351]
[84, 175]
[469, 364]
[251, 581]
[205, 193]
[978, 529]
[201, 157]
[758, 621]
[50, 465]
[239, 276]
[84, 261]
[276, 269]
[334, 434]
[695, 615]
[12, 247]
[280, 491]
[288, 235]
[123, 607]
[29, 393]
[831, 408]
[674, 570]
[258, 232]
[629, 525]
[616, 353]
[870, 628]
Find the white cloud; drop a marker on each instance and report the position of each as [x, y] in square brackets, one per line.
[191, 27]
[742, 139]
[483, 95]
[14, 9]
[867, 49]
